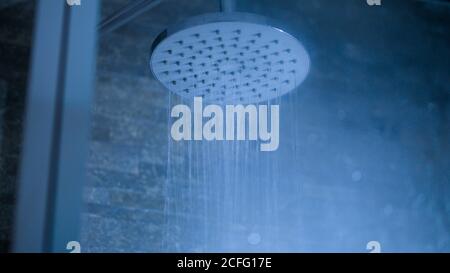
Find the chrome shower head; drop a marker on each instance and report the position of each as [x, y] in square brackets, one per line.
[229, 58]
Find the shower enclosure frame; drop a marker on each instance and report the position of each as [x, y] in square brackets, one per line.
[56, 127]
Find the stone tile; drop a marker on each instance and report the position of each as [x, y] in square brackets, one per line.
[124, 158]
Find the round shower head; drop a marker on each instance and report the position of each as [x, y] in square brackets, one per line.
[229, 58]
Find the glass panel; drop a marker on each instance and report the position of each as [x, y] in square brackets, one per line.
[363, 158]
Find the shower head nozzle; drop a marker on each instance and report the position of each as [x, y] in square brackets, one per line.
[229, 58]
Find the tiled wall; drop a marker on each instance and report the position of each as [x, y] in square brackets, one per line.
[128, 158]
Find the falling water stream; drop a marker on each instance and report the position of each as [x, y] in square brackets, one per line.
[224, 195]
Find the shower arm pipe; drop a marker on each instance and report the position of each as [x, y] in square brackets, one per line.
[126, 14]
[227, 5]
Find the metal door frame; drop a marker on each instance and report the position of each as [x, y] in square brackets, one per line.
[56, 128]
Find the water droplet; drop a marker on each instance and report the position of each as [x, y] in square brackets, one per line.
[254, 238]
[356, 176]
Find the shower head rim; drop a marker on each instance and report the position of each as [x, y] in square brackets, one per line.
[217, 17]
[234, 17]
